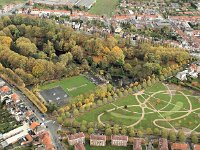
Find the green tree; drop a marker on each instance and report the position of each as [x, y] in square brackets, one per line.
[108, 131]
[90, 130]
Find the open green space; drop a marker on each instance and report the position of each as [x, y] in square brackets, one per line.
[104, 7]
[161, 109]
[74, 86]
[4, 2]
[7, 121]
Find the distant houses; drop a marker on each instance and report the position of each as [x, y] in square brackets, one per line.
[163, 144]
[137, 144]
[119, 140]
[97, 140]
[76, 138]
[179, 146]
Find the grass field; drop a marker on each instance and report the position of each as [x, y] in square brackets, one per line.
[74, 86]
[4, 2]
[104, 7]
[156, 107]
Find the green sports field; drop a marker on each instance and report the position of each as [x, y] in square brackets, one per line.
[74, 86]
[104, 7]
[158, 106]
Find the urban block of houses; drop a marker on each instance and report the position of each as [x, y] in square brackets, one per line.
[196, 147]
[97, 140]
[76, 138]
[179, 146]
[163, 144]
[137, 144]
[46, 140]
[119, 140]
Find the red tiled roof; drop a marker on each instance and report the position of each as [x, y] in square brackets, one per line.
[46, 140]
[119, 137]
[15, 97]
[97, 137]
[196, 146]
[34, 125]
[76, 136]
[79, 146]
[179, 146]
[5, 89]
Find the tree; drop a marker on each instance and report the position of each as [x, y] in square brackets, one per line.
[144, 84]
[135, 89]
[115, 131]
[84, 123]
[194, 138]
[139, 87]
[156, 131]
[140, 133]
[67, 123]
[117, 56]
[108, 131]
[172, 136]
[149, 131]
[149, 82]
[73, 130]
[99, 103]
[91, 125]
[131, 133]
[164, 133]
[59, 120]
[75, 112]
[48, 48]
[181, 136]
[123, 131]
[75, 124]
[83, 128]
[90, 130]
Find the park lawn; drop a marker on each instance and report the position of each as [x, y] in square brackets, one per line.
[128, 100]
[4, 2]
[74, 86]
[104, 7]
[156, 87]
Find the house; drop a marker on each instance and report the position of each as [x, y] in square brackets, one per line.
[76, 138]
[34, 125]
[119, 140]
[97, 140]
[196, 147]
[46, 140]
[137, 144]
[5, 89]
[15, 98]
[179, 146]
[2, 83]
[163, 144]
[182, 75]
[79, 146]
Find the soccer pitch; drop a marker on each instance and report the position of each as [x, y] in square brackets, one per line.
[73, 86]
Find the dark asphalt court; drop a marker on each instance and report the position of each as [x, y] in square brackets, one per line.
[55, 95]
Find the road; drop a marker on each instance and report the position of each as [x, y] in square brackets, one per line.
[52, 126]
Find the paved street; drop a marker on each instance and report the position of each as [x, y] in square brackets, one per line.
[52, 126]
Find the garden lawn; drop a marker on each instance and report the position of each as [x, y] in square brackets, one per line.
[74, 86]
[104, 7]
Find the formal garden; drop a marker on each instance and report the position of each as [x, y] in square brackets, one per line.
[158, 106]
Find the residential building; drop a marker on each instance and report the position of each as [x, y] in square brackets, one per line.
[76, 138]
[46, 140]
[15, 98]
[79, 146]
[97, 140]
[119, 140]
[179, 146]
[196, 147]
[137, 144]
[163, 144]
[2, 83]
[182, 75]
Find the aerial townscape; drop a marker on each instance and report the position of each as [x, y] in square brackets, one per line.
[99, 75]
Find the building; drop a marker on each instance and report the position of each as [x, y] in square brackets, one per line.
[163, 144]
[5, 89]
[76, 138]
[137, 144]
[182, 75]
[196, 147]
[119, 140]
[46, 140]
[79, 146]
[2, 83]
[14, 135]
[34, 125]
[97, 140]
[15, 98]
[179, 146]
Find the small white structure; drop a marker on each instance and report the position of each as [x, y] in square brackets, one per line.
[2, 83]
[182, 75]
